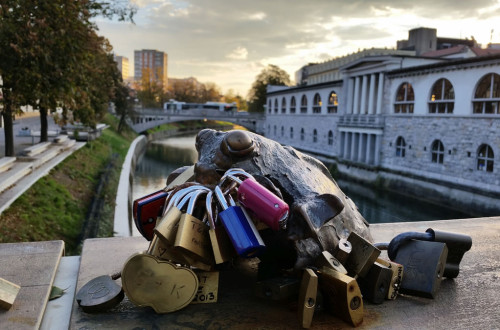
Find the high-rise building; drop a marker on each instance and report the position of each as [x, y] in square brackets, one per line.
[123, 66]
[152, 63]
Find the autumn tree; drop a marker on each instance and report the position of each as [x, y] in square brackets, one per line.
[191, 90]
[271, 75]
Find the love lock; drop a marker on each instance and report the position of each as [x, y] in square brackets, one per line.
[99, 294]
[160, 284]
[146, 210]
[221, 245]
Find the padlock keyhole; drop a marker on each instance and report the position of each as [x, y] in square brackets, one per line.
[355, 303]
[310, 302]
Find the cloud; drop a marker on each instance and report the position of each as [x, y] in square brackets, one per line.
[239, 53]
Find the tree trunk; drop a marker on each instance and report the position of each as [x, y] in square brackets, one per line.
[43, 124]
[8, 128]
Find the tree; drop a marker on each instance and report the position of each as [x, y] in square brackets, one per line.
[192, 91]
[271, 75]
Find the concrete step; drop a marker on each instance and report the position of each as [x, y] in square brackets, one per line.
[14, 174]
[6, 163]
[61, 139]
[40, 158]
[36, 149]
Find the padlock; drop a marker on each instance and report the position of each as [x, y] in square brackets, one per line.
[160, 284]
[307, 298]
[146, 210]
[277, 288]
[164, 251]
[342, 294]
[208, 287]
[362, 256]
[241, 230]
[192, 236]
[375, 285]
[326, 259]
[99, 294]
[222, 247]
[166, 229]
[424, 263]
[266, 206]
[342, 251]
[397, 276]
[457, 245]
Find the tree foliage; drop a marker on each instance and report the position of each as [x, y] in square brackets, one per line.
[271, 75]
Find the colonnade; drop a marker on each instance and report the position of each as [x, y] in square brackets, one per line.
[364, 94]
[363, 147]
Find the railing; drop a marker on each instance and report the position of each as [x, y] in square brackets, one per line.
[357, 120]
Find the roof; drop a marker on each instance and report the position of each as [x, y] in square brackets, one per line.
[446, 51]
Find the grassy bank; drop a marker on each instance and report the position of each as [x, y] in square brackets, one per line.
[56, 206]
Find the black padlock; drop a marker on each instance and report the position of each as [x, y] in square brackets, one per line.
[278, 288]
[457, 245]
[100, 294]
[375, 285]
[424, 264]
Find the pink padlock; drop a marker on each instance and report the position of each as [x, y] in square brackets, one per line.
[265, 205]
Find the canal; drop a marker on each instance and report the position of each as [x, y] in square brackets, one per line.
[164, 156]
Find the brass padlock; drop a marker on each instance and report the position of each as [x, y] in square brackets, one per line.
[160, 284]
[362, 256]
[342, 294]
[208, 287]
[326, 259]
[375, 285]
[342, 251]
[307, 298]
[397, 277]
[166, 229]
[192, 237]
[221, 244]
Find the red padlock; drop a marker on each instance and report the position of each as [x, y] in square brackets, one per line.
[265, 205]
[146, 210]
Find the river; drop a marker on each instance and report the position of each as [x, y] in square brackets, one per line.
[164, 156]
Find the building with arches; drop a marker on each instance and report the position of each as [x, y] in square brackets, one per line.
[427, 125]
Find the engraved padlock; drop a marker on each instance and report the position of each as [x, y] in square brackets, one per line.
[266, 206]
[221, 244]
[375, 285]
[397, 277]
[192, 236]
[362, 256]
[166, 229]
[241, 230]
[160, 284]
[146, 210]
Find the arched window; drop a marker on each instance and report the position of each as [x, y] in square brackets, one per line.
[487, 97]
[317, 103]
[274, 130]
[330, 138]
[283, 105]
[303, 104]
[485, 158]
[269, 109]
[293, 105]
[282, 131]
[268, 130]
[333, 103]
[405, 99]
[302, 135]
[442, 97]
[315, 136]
[291, 132]
[400, 147]
[437, 152]
[275, 105]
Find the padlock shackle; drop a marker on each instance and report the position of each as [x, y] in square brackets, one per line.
[396, 242]
[178, 196]
[208, 207]
[193, 199]
[233, 174]
[221, 198]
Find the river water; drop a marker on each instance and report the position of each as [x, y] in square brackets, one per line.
[164, 156]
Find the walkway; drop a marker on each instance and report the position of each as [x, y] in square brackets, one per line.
[32, 161]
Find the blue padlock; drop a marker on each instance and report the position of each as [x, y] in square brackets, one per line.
[241, 230]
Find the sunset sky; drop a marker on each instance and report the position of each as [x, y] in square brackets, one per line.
[229, 42]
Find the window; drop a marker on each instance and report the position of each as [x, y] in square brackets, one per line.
[268, 130]
[291, 132]
[274, 130]
[275, 105]
[282, 131]
[437, 152]
[303, 104]
[485, 158]
[400, 147]
[293, 106]
[405, 99]
[269, 109]
[283, 105]
[442, 97]
[333, 103]
[315, 136]
[317, 103]
[330, 138]
[302, 135]
[487, 97]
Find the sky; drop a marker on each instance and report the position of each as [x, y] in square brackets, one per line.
[229, 42]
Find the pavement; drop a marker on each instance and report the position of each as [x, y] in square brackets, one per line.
[26, 170]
